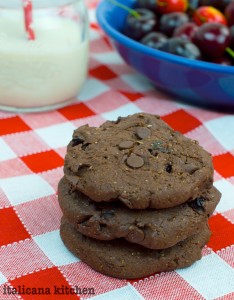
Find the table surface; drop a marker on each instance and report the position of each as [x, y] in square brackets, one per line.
[32, 148]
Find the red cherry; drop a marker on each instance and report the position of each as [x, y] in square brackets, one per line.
[186, 30]
[169, 6]
[208, 14]
[212, 39]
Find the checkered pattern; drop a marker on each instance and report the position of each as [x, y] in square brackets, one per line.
[32, 148]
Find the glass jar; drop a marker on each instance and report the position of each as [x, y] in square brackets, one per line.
[49, 71]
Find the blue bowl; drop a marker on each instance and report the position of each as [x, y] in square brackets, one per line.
[196, 82]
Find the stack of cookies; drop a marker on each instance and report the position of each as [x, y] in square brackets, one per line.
[136, 197]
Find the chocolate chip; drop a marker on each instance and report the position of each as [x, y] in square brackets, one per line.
[197, 204]
[168, 168]
[124, 158]
[134, 161]
[190, 168]
[126, 145]
[126, 201]
[135, 234]
[77, 140]
[143, 132]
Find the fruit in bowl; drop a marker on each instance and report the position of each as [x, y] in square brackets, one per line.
[169, 6]
[200, 80]
[208, 14]
[201, 34]
[169, 22]
[139, 24]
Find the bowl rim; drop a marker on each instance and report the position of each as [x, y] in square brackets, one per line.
[130, 43]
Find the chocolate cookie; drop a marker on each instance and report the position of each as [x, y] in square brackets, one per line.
[139, 160]
[121, 259]
[155, 229]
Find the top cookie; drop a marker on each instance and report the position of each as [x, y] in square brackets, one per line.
[139, 160]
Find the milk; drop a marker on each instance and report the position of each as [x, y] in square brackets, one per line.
[44, 72]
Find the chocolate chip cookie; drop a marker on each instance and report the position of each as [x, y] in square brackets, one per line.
[138, 160]
[121, 259]
[155, 229]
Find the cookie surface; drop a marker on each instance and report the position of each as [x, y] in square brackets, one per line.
[155, 229]
[121, 259]
[139, 160]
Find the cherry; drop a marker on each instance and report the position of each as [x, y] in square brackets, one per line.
[181, 47]
[207, 38]
[207, 14]
[229, 14]
[154, 40]
[169, 22]
[219, 4]
[137, 27]
[212, 39]
[186, 30]
[169, 6]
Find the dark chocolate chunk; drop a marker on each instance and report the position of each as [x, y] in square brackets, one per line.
[77, 140]
[134, 161]
[124, 158]
[191, 168]
[168, 168]
[143, 132]
[135, 234]
[126, 145]
[197, 204]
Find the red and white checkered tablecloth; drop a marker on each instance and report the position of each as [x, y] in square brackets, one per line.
[32, 148]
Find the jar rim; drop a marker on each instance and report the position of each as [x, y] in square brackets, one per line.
[15, 4]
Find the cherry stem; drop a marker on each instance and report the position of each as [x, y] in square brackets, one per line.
[230, 52]
[133, 12]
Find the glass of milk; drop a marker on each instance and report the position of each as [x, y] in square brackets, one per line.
[48, 72]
